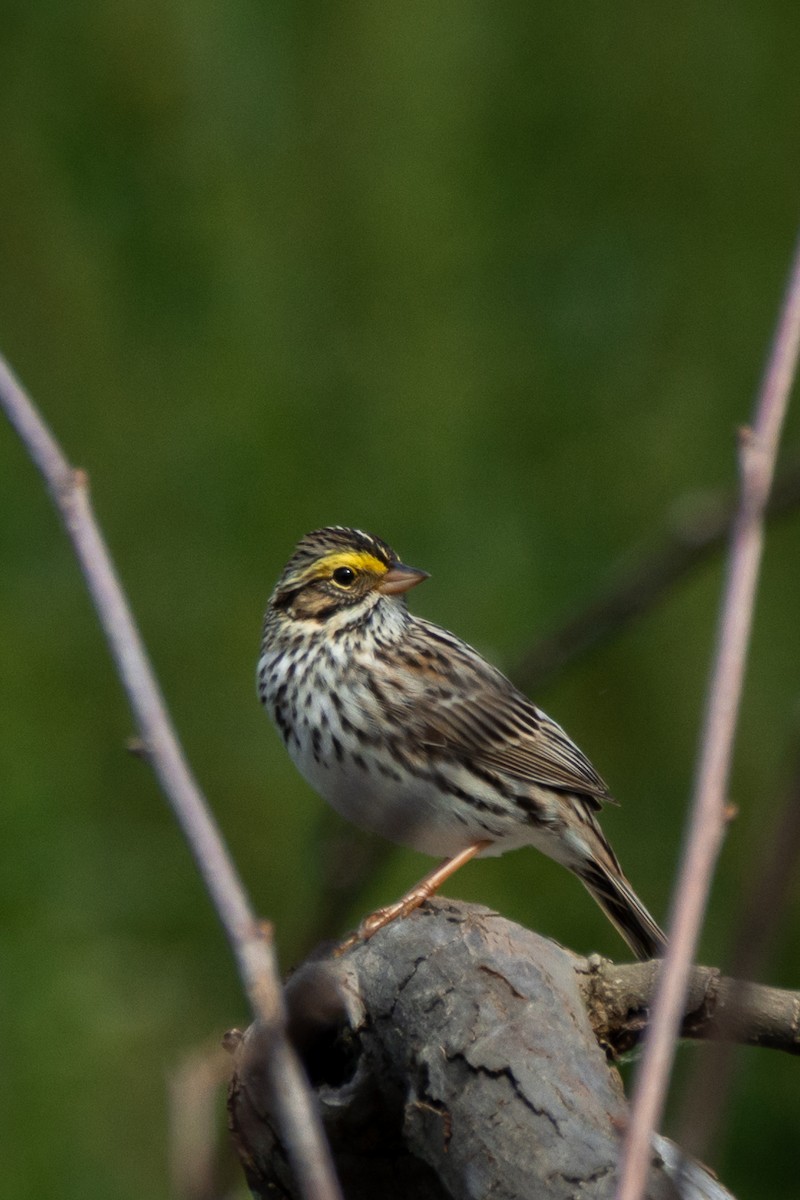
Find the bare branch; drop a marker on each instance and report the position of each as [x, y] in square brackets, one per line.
[453, 1057]
[194, 1088]
[758, 451]
[694, 532]
[250, 941]
[618, 1000]
[708, 1088]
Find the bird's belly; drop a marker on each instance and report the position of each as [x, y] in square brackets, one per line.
[409, 810]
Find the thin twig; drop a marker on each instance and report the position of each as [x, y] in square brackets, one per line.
[708, 1088]
[250, 941]
[698, 529]
[194, 1089]
[758, 451]
[716, 1007]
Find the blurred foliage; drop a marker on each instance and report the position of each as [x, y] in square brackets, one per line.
[496, 283]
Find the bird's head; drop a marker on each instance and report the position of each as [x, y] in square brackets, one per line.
[337, 569]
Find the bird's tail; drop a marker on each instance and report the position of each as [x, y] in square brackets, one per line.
[609, 887]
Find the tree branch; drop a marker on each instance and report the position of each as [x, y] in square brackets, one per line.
[453, 1058]
[773, 871]
[687, 540]
[758, 451]
[618, 1000]
[250, 941]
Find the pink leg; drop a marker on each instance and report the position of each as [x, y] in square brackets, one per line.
[420, 892]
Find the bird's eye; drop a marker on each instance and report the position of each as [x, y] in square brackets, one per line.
[344, 576]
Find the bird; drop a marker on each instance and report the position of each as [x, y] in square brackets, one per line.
[409, 733]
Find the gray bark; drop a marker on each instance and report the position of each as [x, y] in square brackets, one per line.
[453, 1057]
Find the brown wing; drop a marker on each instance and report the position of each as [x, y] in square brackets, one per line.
[478, 714]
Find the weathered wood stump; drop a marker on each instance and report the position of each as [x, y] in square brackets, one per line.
[453, 1059]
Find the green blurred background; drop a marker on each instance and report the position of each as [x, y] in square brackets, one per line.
[495, 282]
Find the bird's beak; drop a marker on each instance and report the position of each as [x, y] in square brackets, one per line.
[400, 578]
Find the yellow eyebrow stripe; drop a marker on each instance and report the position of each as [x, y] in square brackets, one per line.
[357, 560]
